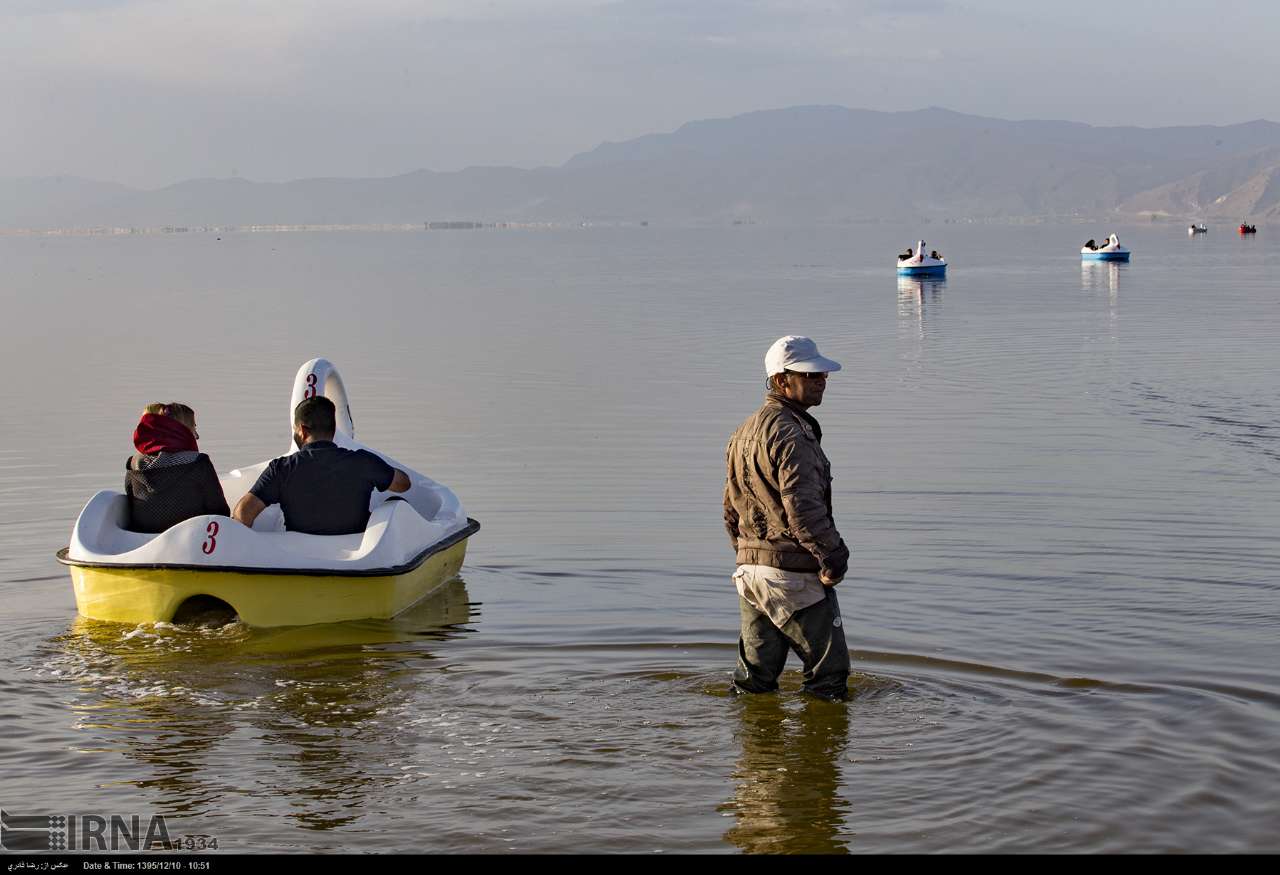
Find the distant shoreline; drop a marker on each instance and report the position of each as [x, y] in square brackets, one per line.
[273, 229]
[438, 226]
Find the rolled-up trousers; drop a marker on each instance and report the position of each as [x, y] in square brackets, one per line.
[815, 633]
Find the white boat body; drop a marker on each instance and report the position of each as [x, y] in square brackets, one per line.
[399, 531]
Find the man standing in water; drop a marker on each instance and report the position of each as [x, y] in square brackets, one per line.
[777, 510]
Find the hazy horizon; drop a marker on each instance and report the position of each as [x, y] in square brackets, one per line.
[148, 93]
[597, 144]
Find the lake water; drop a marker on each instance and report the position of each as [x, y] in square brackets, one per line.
[1059, 482]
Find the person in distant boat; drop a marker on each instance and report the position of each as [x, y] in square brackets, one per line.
[777, 511]
[169, 480]
[1091, 245]
[323, 489]
[906, 255]
[934, 255]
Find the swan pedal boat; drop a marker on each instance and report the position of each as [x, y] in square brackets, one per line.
[1109, 251]
[921, 264]
[413, 544]
[1197, 229]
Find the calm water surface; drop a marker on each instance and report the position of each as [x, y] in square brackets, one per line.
[1059, 482]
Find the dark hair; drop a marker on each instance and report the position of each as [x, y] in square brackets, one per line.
[316, 415]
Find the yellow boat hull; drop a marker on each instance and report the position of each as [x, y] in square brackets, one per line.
[136, 595]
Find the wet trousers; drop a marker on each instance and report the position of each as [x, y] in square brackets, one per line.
[815, 633]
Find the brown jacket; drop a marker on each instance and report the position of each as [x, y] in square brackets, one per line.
[777, 497]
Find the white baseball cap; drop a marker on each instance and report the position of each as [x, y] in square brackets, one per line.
[795, 353]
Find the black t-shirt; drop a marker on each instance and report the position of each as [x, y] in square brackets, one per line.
[324, 489]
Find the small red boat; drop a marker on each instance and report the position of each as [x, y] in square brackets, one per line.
[1248, 229]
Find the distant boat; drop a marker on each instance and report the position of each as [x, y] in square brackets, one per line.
[1198, 229]
[1108, 251]
[1248, 229]
[916, 263]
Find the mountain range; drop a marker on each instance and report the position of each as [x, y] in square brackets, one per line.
[808, 163]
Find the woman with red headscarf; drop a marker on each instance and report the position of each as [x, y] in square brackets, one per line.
[169, 480]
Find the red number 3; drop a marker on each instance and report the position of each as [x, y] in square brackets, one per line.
[311, 387]
[210, 543]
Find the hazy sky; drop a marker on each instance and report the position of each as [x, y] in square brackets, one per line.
[149, 92]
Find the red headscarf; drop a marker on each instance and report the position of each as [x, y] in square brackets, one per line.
[162, 434]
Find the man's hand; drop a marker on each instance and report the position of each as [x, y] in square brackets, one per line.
[835, 566]
[400, 482]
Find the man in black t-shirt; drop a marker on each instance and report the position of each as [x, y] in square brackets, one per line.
[323, 489]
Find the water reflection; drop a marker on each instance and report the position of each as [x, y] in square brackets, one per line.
[184, 704]
[916, 296]
[1104, 276]
[786, 799]
[1100, 276]
[915, 293]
